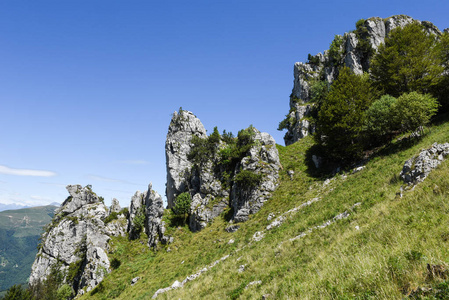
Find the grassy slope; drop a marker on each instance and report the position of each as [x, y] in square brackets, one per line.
[19, 234]
[385, 256]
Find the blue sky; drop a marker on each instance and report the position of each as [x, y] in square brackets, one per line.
[88, 87]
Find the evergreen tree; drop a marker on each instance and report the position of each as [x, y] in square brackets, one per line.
[341, 117]
[407, 61]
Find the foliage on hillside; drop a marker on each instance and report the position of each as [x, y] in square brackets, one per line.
[381, 250]
[20, 231]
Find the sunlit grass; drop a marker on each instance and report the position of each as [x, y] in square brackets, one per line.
[380, 251]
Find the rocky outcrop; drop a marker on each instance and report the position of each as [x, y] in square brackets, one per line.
[354, 50]
[145, 216]
[210, 181]
[76, 241]
[418, 168]
[210, 198]
[182, 127]
[115, 206]
[262, 160]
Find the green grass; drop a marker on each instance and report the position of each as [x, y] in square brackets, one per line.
[380, 251]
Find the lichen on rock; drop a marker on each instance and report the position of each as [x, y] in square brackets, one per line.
[77, 241]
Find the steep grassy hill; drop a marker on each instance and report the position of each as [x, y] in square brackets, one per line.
[19, 236]
[352, 236]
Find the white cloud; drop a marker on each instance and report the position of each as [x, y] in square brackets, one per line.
[25, 172]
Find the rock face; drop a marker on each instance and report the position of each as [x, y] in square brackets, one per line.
[145, 215]
[208, 179]
[262, 159]
[77, 241]
[418, 168]
[324, 67]
[182, 127]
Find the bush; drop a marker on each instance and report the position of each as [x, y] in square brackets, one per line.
[413, 110]
[379, 118]
[17, 292]
[204, 148]
[115, 263]
[336, 51]
[65, 292]
[138, 223]
[248, 179]
[112, 216]
[182, 205]
[363, 47]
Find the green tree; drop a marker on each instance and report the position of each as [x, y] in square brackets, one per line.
[413, 110]
[341, 117]
[65, 292]
[17, 292]
[379, 119]
[442, 90]
[407, 61]
[182, 205]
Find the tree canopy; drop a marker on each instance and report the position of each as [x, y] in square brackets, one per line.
[408, 61]
[341, 117]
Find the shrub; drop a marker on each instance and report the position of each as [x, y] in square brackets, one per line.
[17, 292]
[182, 205]
[203, 148]
[112, 216]
[379, 118]
[247, 179]
[115, 263]
[363, 47]
[413, 110]
[65, 292]
[138, 223]
[336, 51]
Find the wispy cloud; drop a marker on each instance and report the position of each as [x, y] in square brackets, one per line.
[135, 162]
[25, 172]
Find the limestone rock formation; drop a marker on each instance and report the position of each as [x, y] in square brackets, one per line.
[145, 216]
[262, 159]
[208, 182]
[325, 67]
[418, 168]
[76, 241]
[182, 127]
[115, 206]
[209, 199]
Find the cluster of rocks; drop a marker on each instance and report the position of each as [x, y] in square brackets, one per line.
[324, 67]
[418, 168]
[78, 236]
[77, 239]
[149, 207]
[210, 197]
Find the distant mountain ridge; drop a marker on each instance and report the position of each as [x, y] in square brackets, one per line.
[20, 230]
[4, 207]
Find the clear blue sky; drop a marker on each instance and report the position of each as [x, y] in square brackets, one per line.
[88, 86]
